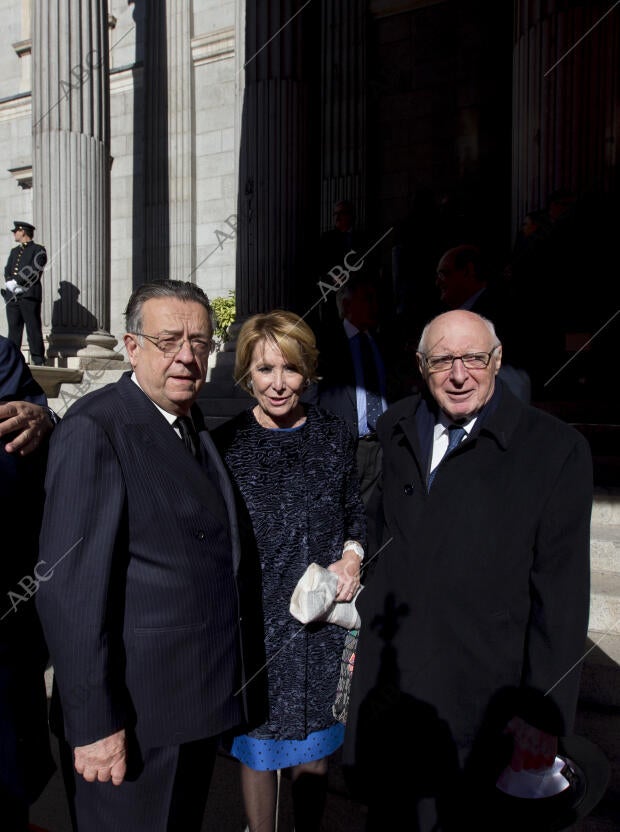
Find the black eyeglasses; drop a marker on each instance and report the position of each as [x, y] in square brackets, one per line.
[471, 360]
[200, 347]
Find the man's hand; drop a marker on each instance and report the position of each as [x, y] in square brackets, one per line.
[103, 760]
[30, 421]
[534, 750]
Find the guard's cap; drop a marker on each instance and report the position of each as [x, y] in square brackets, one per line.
[25, 226]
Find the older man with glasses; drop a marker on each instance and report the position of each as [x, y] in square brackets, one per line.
[474, 620]
[143, 610]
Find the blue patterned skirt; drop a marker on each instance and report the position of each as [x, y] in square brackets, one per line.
[268, 755]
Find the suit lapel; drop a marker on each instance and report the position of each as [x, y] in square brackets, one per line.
[425, 420]
[215, 464]
[417, 429]
[152, 430]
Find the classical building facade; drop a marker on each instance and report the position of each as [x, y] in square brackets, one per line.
[209, 139]
[119, 133]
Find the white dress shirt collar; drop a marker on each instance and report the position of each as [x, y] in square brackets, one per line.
[169, 417]
[441, 436]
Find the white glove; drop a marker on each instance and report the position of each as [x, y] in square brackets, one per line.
[11, 285]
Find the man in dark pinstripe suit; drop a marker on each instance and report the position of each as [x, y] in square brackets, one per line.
[26, 763]
[143, 613]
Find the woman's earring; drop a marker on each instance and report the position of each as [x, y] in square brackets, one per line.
[250, 385]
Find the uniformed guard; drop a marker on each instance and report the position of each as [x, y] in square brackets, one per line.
[23, 294]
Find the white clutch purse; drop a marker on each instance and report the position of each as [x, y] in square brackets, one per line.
[314, 599]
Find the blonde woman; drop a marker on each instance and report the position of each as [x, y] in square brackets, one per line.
[294, 464]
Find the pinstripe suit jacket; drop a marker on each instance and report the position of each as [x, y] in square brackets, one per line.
[142, 606]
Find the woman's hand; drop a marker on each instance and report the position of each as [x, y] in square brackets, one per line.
[348, 571]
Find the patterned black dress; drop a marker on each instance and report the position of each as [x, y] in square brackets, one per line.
[302, 493]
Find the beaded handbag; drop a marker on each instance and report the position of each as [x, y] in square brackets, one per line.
[340, 708]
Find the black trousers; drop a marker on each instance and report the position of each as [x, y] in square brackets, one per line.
[26, 311]
[165, 791]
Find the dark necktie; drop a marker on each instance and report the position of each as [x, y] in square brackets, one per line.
[374, 406]
[188, 434]
[455, 433]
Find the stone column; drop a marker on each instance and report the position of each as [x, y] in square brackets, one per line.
[276, 185]
[71, 164]
[169, 227]
[181, 139]
[343, 88]
[565, 131]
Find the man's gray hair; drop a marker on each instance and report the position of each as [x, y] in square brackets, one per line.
[179, 289]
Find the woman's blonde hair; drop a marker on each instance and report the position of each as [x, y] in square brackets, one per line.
[285, 330]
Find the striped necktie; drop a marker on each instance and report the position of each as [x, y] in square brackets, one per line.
[456, 434]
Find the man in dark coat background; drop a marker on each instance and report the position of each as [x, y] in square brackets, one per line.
[464, 282]
[348, 386]
[25, 757]
[476, 613]
[23, 293]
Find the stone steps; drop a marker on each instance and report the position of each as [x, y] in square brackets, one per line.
[217, 389]
[222, 409]
[604, 601]
[605, 547]
[602, 726]
[220, 399]
[598, 717]
[606, 506]
[93, 379]
[598, 714]
[600, 677]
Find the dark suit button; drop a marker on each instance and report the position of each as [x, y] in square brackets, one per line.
[408, 489]
[200, 535]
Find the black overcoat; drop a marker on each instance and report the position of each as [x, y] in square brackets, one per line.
[26, 762]
[482, 584]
